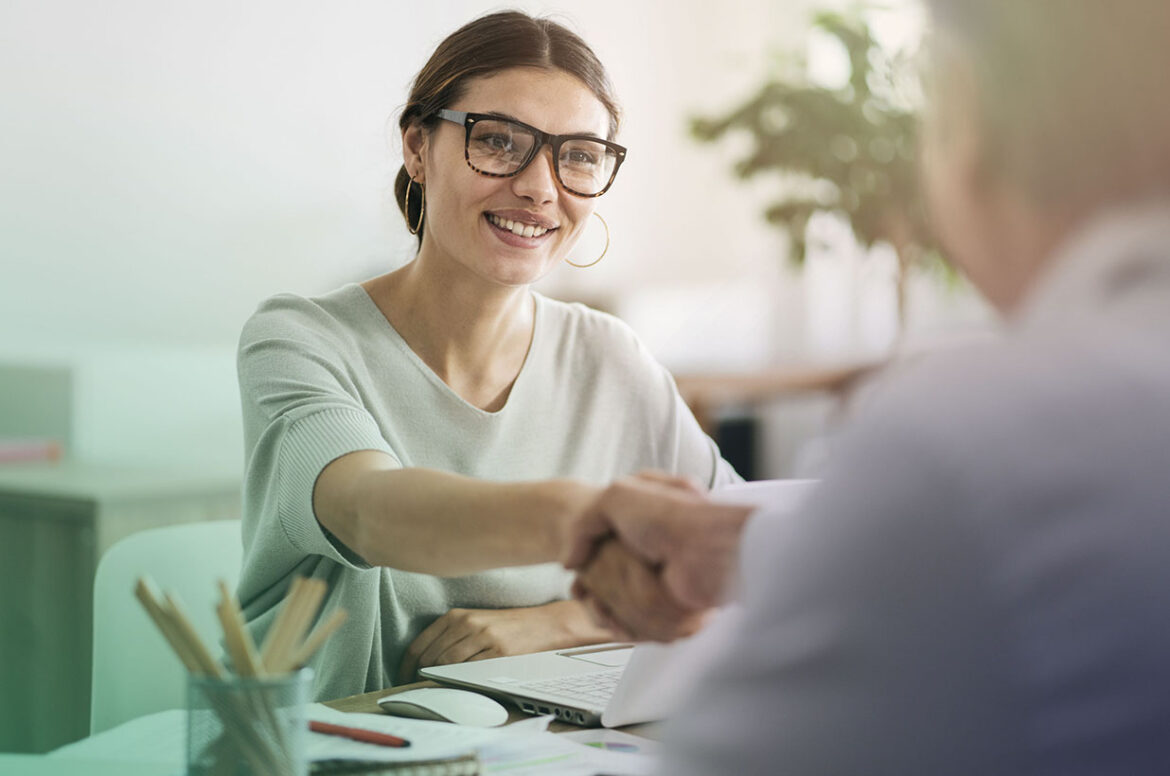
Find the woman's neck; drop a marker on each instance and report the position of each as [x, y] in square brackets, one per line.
[474, 335]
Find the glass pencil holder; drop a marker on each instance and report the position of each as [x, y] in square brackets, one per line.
[248, 727]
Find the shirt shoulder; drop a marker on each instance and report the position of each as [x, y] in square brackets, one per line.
[337, 318]
[584, 334]
[1030, 387]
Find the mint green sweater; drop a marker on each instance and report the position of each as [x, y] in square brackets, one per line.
[327, 376]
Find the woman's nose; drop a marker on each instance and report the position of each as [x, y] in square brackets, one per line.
[538, 181]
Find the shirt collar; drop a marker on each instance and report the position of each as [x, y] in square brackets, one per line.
[1117, 252]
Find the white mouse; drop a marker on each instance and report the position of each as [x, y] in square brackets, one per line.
[446, 704]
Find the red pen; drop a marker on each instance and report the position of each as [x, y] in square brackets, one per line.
[358, 734]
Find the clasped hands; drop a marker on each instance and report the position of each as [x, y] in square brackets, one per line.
[654, 555]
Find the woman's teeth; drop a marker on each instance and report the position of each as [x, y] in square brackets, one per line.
[517, 228]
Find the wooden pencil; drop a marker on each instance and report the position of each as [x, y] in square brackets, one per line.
[276, 632]
[324, 630]
[303, 611]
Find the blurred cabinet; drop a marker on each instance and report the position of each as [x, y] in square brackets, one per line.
[55, 523]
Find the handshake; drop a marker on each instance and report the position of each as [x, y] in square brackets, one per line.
[653, 554]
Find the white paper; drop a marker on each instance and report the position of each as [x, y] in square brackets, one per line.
[614, 741]
[428, 740]
[553, 754]
[768, 495]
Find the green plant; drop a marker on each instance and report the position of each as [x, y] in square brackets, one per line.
[849, 150]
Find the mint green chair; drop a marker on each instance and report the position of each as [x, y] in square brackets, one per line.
[134, 670]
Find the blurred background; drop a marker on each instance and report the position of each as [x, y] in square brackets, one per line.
[167, 165]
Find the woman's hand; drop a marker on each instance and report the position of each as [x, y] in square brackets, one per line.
[626, 596]
[476, 634]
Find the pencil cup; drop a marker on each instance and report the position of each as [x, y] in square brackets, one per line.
[248, 727]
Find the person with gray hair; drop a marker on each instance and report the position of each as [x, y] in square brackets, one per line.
[978, 584]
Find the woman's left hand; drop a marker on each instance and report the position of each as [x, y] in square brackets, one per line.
[476, 634]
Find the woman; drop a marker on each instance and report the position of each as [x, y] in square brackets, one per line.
[420, 440]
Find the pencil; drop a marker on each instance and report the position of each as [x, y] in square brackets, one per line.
[276, 633]
[311, 644]
[358, 734]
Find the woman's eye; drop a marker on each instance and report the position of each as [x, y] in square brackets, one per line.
[496, 142]
[579, 157]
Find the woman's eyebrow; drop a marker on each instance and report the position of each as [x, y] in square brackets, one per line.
[501, 115]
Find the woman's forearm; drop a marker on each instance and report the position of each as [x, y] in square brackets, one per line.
[434, 522]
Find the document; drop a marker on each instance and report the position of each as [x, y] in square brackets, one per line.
[784, 496]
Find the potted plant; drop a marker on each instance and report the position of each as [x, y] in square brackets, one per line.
[849, 149]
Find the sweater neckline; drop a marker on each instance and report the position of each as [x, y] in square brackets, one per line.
[518, 385]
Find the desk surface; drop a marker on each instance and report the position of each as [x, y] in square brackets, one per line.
[705, 393]
[368, 702]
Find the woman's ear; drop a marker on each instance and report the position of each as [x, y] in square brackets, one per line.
[414, 145]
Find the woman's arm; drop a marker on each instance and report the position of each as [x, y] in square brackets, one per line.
[476, 634]
[434, 522]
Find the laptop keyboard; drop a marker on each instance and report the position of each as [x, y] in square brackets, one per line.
[587, 689]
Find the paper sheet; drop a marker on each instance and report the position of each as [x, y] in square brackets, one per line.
[553, 754]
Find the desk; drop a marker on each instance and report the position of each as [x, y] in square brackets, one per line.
[56, 520]
[368, 702]
[157, 742]
[706, 393]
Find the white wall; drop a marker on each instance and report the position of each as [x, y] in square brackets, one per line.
[165, 165]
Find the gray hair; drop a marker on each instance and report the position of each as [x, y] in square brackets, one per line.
[1075, 93]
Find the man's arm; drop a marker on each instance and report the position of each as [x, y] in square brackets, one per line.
[872, 639]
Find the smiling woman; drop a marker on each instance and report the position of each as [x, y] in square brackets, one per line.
[422, 439]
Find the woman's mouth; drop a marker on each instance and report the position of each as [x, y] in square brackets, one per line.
[517, 228]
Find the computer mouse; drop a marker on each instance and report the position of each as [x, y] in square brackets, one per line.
[446, 704]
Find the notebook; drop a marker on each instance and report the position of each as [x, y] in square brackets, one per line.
[618, 684]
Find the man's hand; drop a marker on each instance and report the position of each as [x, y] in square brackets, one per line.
[627, 597]
[476, 634]
[690, 543]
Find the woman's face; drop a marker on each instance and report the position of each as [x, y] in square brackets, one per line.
[465, 210]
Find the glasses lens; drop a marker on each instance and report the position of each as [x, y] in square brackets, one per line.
[586, 166]
[498, 147]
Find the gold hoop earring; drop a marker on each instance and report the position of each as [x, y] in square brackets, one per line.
[422, 208]
[604, 250]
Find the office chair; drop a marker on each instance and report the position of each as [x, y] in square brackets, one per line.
[134, 670]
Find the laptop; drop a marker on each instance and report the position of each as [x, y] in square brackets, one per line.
[619, 683]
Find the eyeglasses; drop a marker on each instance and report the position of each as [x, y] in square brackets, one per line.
[500, 148]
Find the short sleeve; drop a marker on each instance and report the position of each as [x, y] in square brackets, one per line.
[695, 453]
[302, 410]
[698, 452]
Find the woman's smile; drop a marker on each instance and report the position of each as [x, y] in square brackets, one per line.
[520, 229]
[509, 229]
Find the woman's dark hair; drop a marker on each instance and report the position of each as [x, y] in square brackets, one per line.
[1075, 105]
[487, 45]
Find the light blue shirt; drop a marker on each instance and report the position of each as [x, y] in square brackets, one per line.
[981, 585]
[323, 377]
